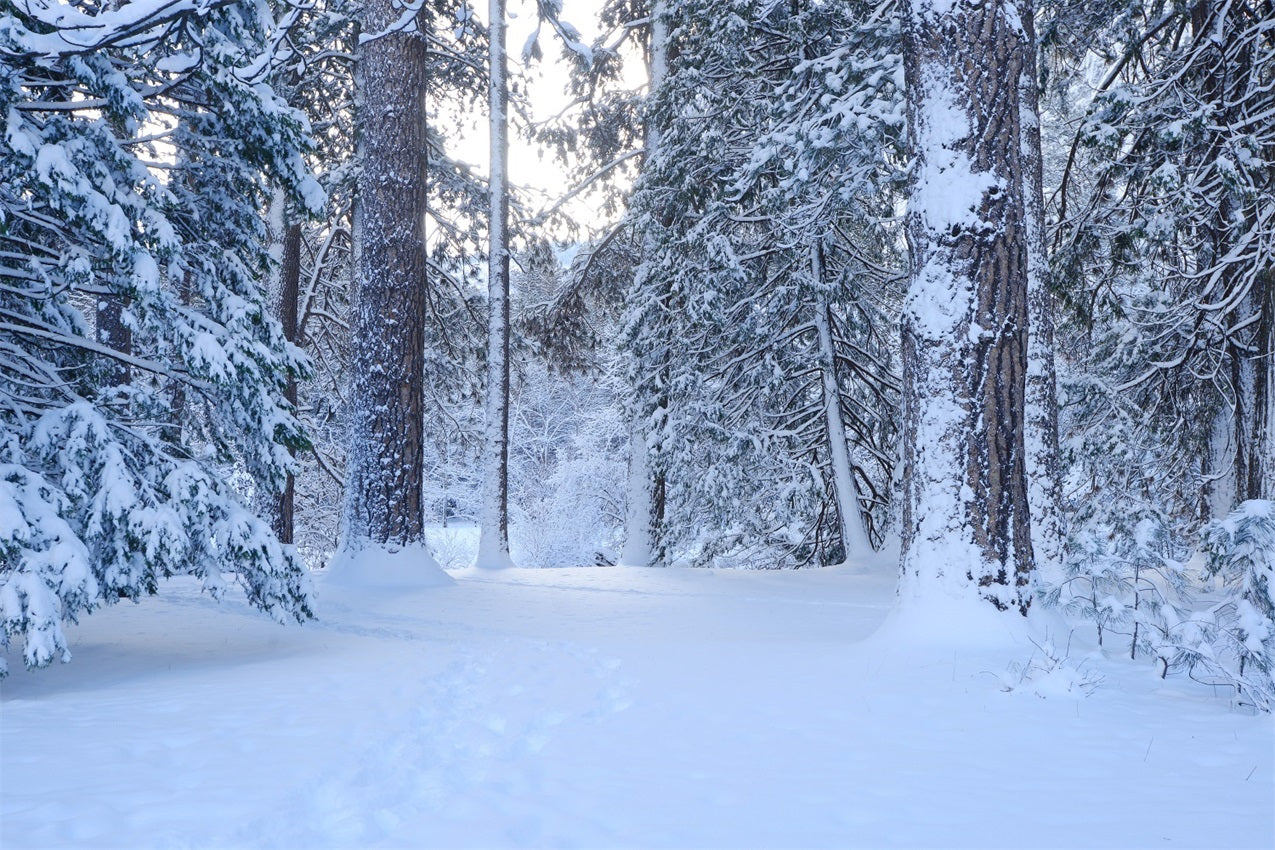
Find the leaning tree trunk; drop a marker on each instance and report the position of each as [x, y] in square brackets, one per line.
[387, 362]
[967, 524]
[493, 544]
[854, 536]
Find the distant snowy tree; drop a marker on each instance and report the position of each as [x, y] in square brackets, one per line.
[124, 291]
[757, 326]
[566, 466]
[1166, 244]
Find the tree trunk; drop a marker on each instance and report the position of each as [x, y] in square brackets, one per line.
[647, 488]
[114, 334]
[493, 544]
[1255, 429]
[1044, 469]
[289, 295]
[638, 550]
[854, 537]
[967, 523]
[173, 430]
[384, 474]
[1263, 474]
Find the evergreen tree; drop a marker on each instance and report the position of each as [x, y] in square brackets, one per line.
[1165, 247]
[967, 523]
[758, 322]
[123, 289]
[414, 209]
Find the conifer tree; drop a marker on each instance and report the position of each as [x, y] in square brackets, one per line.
[412, 309]
[121, 290]
[775, 146]
[967, 523]
[1165, 246]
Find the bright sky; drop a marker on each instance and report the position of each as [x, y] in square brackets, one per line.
[539, 173]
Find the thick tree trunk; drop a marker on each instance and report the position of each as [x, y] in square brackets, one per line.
[384, 473]
[854, 536]
[967, 523]
[1263, 474]
[493, 544]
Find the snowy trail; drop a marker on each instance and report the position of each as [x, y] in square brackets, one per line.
[601, 707]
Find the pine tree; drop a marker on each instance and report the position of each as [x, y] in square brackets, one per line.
[414, 313]
[759, 211]
[122, 290]
[1166, 244]
[967, 523]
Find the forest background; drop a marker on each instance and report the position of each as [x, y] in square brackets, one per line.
[223, 351]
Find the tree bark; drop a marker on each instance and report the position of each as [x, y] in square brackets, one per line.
[1264, 404]
[113, 333]
[967, 522]
[1044, 469]
[493, 544]
[289, 295]
[385, 464]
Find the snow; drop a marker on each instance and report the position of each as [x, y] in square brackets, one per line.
[611, 707]
[375, 569]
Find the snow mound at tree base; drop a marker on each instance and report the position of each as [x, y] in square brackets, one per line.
[376, 567]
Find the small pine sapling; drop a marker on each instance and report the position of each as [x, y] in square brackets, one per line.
[1241, 556]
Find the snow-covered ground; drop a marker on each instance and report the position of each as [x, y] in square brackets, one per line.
[602, 707]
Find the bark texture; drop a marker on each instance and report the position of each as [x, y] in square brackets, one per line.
[967, 523]
[384, 473]
[1044, 469]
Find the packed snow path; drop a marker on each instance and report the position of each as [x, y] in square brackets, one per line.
[602, 707]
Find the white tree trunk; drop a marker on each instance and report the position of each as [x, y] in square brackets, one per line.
[854, 535]
[640, 526]
[493, 542]
[1044, 469]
